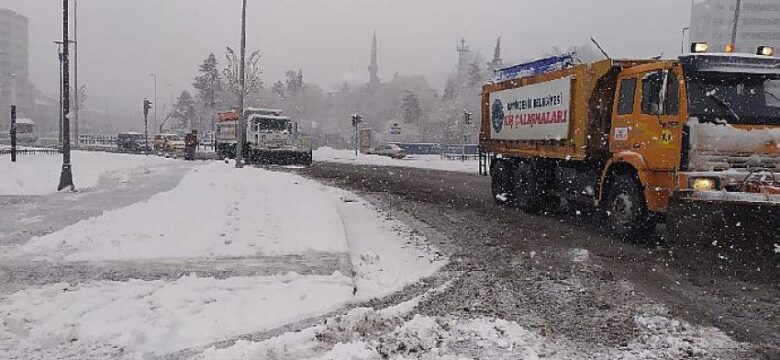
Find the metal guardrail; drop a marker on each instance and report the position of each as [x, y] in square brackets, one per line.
[32, 151]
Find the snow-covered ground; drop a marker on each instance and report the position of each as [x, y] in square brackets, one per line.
[433, 162]
[222, 217]
[399, 333]
[40, 174]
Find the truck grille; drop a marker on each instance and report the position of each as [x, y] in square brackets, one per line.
[712, 161]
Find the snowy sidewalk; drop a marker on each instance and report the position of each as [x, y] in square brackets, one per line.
[226, 252]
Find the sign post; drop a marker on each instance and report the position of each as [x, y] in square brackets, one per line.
[147, 106]
[356, 120]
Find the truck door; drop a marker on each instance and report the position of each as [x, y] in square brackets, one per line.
[647, 120]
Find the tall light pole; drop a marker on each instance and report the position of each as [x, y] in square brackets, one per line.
[76, 73]
[682, 41]
[59, 56]
[241, 132]
[155, 100]
[66, 176]
[737, 10]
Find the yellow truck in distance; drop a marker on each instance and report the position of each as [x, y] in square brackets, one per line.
[629, 135]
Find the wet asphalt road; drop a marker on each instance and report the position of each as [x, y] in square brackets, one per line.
[561, 275]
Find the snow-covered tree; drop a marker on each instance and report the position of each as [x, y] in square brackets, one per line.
[209, 83]
[184, 111]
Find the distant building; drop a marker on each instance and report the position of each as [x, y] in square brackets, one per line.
[713, 22]
[14, 59]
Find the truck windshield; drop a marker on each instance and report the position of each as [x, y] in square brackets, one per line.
[748, 99]
[271, 125]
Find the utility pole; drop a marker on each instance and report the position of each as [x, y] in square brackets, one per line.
[13, 118]
[66, 176]
[76, 73]
[59, 56]
[155, 99]
[736, 24]
[241, 132]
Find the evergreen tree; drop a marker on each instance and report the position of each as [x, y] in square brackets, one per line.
[294, 82]
[209, 82]
[279, 89]
[184, 111]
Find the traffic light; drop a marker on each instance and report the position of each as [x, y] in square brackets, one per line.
[467, 117]
[356, 119]
[147, 106]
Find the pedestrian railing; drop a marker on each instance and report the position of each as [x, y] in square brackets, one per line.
[32, 151]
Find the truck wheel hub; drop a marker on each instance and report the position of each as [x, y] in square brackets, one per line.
[622, 209]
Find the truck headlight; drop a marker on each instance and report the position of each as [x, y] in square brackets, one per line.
[704, 184]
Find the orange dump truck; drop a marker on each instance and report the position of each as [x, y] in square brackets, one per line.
[634, 136]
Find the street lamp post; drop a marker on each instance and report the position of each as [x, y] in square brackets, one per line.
[241, 132]
[59, 57]
[66, 176]
[737, 10]
[155, 100]
[59, 54]
[682, 41]
[13, 117]
[77, 104]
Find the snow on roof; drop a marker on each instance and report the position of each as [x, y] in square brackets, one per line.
[264, 111]
[267, 117]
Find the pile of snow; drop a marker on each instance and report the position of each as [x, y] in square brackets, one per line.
[369, 334]
[216, 211]
[40, 174]
[432, 162]
[160, 316]
[660, 337]
[394, 333]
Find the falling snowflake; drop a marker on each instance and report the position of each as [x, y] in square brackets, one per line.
[777, 249]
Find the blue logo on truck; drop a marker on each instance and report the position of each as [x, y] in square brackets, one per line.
[497, 116]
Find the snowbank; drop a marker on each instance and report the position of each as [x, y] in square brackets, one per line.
[160, 316]
[370, 334]
[216, 211]
[40, 174]
[432, 162]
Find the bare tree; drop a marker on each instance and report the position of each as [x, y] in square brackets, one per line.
[253, 72]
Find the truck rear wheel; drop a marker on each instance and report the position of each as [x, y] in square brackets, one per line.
[528, 190]
[501, 182]
[626, 209]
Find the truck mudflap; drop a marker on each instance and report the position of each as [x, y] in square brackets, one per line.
[737, 227]
[281, 157]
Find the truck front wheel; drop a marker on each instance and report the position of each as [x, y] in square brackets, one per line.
[501, 182]
[626, 209]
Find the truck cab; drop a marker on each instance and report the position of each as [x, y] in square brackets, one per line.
[702, 123]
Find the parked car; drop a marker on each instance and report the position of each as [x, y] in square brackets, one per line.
[130, 141]
[391, 150]
[168, 142]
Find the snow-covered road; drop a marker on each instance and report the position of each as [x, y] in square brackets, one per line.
[225, 252]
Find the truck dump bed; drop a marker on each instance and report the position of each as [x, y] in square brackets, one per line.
[563, 114]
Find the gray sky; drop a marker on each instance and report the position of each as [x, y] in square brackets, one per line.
[122, 41]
